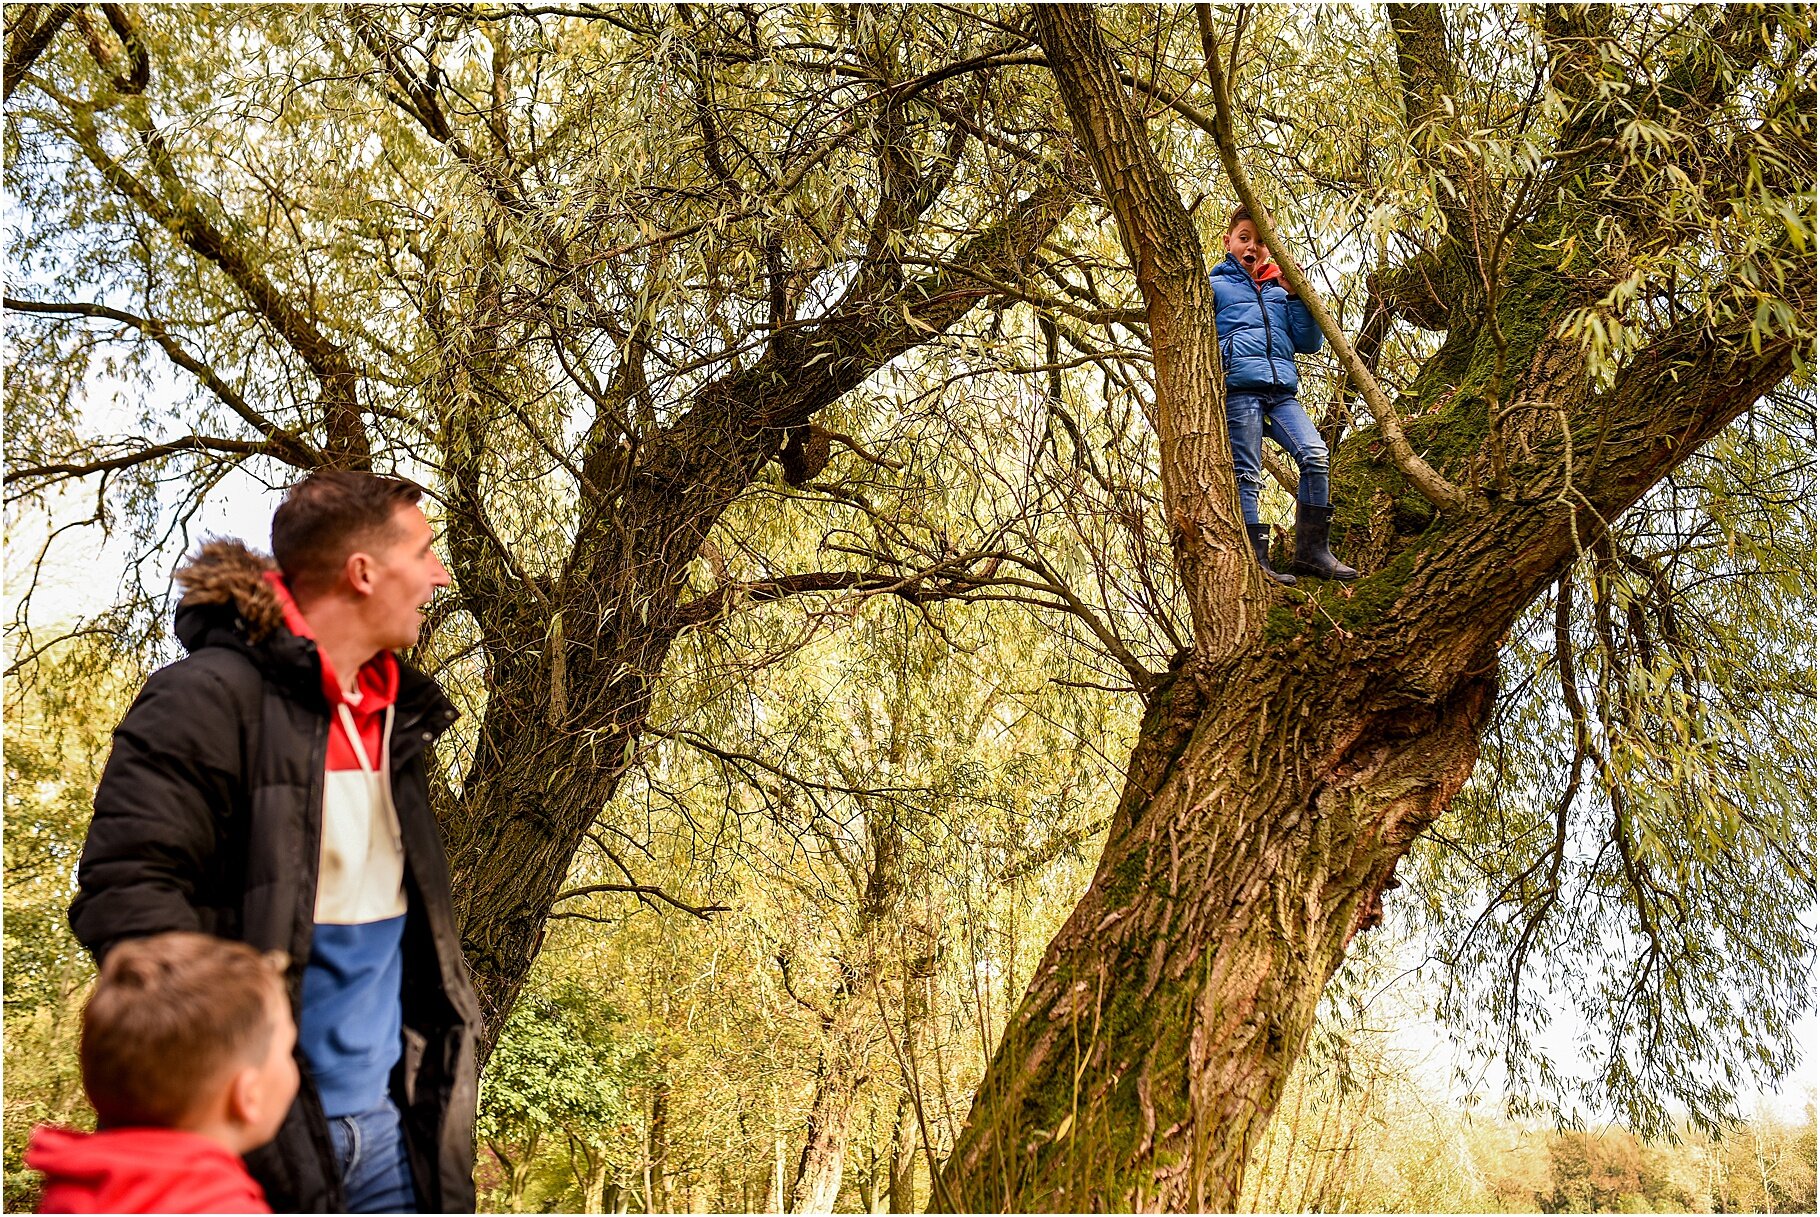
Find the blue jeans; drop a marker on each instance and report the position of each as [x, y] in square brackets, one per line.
[375, 1171]
[1251, 414]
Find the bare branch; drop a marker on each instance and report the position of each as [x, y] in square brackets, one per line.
[644, 891]
[290, 447]
[189, 443]
[30, 37]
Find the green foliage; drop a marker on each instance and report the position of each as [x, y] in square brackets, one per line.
[562, 1078]
[1686, 825]
[56, 742]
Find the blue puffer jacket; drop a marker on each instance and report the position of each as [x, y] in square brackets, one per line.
[1261, 329]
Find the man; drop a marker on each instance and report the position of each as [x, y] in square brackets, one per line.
[271, 788]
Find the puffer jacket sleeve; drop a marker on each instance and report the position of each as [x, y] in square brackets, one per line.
[170, 785]
[1303, 331]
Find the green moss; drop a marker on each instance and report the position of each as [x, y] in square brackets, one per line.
[1282, 626]
[1374, 595]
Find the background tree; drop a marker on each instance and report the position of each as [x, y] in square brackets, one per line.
[584, 276]
[57, 738]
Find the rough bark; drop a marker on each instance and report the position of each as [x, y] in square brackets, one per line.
[823, 1160]
[901, 1190]
[1200, 493]
[1284, 767]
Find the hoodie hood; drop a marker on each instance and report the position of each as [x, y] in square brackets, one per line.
[140, 1170]
[235, 597]
[377, 679]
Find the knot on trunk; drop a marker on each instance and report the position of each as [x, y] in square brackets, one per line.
[805, 454]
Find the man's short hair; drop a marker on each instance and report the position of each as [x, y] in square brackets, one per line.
[326, 516]
[1239, 216]
[168, 1016]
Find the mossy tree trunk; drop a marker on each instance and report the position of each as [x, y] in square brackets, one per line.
[1298, 749]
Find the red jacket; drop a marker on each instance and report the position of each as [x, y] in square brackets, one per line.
[140, 1170]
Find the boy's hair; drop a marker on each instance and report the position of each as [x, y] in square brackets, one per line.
[1239, 216]
[168, 1015]
[325, 516]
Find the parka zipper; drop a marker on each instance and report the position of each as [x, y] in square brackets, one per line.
[1270, 342]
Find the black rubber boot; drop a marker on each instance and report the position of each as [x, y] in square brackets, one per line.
[1260, 546]
[1312, 557]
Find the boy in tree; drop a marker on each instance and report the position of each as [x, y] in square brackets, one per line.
[1261, 330]
[186, 1058]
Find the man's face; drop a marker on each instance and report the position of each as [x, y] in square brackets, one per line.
[401, 576]
[1243, 241]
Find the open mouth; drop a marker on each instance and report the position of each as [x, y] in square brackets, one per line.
[1249, 259]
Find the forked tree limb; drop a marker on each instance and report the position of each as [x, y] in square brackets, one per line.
[288, 446]
[1434, 487]
[30, 36]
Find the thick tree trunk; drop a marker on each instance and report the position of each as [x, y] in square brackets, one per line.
[901, 1193]
[824, 1156]
[1269, 798]
[1264, 810]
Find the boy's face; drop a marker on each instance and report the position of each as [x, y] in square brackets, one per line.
[1242, 239]
[273, 1086]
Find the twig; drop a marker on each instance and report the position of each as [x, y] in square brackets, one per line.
[643, 891]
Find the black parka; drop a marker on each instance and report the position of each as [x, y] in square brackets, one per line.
[209, 817]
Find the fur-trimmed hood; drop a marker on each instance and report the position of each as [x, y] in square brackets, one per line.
[224, 572]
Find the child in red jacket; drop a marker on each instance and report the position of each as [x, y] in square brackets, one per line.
[187, 1059]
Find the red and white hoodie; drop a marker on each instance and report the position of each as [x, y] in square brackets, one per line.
[350, 1023]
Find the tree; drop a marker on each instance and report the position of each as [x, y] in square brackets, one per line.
[56, 743]
[584, 275]
[561, 1073]
[1612, 287]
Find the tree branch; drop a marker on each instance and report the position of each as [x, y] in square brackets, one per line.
[917, 587]
[30, 37]
[1226, 589]
[646, 892]
[287, 445]
[346, 432]
[188, 443]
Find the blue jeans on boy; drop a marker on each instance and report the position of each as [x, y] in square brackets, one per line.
[375, 1170]
[1251, 414]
